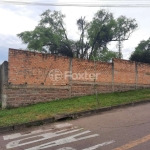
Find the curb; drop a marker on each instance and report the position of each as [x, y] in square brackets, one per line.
[68, 116]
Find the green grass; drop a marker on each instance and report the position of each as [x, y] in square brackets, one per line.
[49, 109]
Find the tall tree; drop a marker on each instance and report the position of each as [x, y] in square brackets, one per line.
[49, 36]
[124, 28]
[105, 29]
[100, 31]
[82, 47]
[142, 52]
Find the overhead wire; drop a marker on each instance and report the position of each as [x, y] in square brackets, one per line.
[97, 3]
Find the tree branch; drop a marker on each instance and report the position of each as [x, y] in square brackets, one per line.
[93, 45]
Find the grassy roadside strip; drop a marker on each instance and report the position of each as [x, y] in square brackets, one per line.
[45, 110]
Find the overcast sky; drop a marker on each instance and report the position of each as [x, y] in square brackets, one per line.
[18, 18]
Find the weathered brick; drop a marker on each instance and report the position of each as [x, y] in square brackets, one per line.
[31, 77]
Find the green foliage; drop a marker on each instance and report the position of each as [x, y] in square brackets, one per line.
[106, 55]
[105, 29]
[50, 34]
[142, 52]
[100, 31]
[125, 27]
[49, 109]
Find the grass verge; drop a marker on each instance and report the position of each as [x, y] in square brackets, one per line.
[49, 109]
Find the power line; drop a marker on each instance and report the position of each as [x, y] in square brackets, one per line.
[85, 4]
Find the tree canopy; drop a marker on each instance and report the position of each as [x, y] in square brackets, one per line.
[142, 52]
[105, 29]
[50, 35]
[106, 55]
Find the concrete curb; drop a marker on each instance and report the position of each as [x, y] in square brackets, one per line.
[68, 116]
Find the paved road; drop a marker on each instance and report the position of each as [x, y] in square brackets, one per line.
[120, 129]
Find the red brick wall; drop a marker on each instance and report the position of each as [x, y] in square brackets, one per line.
[124, 71]
[104, 71]
[31, 77]
[143, 73]
[80, 66]
[35, 68]
[23, 95]
[89, 68]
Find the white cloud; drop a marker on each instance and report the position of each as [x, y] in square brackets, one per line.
[16, 19]
[13, 23]
[10, 41]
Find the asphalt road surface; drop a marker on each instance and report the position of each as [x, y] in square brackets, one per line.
[119, 129]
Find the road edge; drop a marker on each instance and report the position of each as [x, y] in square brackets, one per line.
[75, 115]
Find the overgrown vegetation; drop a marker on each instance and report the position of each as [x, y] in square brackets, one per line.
[49, 109]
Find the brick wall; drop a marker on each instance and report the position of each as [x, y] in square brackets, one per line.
[87, 86]
[35, 77]
[124, 71]
[22, 95]
[143, 74]
[35, 68]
